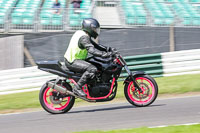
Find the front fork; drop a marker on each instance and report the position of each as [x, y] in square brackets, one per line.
[130, 74]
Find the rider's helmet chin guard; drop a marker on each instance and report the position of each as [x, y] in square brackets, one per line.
[91, 26]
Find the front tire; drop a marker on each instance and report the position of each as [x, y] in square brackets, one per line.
[149, 94]
[54, 102]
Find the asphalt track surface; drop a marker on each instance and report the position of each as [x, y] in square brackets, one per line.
[105, 117]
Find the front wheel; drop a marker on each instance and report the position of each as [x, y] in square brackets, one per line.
[149, 88]
[55, 102]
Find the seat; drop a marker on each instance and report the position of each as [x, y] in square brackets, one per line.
[25, 12]
[74, 23]
[1, 20]
[45, 21]
[86, 16]
[130, 21]
[16, 20]
[57, 21]
[74, 16]
[28, 21]
[47, 17]
[169, 21]
[141, 20]
[158, 21]
[55, 67]
[187, 21]
[130, 13]
[196, 22]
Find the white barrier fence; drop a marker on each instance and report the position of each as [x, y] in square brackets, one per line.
[22, 80]
[31, 78]
[181, 62]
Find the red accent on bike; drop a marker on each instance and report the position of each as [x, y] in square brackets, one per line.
[139, 100]
[87, 92]
[51, 105]
[97, 98]
[118, 61]
[72, 81]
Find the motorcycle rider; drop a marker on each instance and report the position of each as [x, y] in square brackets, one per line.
[80, 45]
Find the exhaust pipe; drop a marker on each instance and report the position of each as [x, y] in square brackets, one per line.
[56, 87]
[64, 90]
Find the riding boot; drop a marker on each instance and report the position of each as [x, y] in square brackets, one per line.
[82, 81]
[77, 90]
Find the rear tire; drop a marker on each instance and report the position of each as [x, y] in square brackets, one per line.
[54, 104]
[149, 87]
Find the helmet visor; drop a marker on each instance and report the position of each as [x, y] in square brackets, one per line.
[97, 30]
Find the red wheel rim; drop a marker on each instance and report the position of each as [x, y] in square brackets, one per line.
[148, 91]
[50, 105]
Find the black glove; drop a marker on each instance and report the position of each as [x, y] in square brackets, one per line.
[106, 54]
[114, 50]
[109, 49]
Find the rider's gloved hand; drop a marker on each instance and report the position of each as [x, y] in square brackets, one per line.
[109, 49]
[106, 54]
[114, 50]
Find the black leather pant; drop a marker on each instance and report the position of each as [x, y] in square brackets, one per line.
[84, 67]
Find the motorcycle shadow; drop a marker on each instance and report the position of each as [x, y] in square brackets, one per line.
[113, 108]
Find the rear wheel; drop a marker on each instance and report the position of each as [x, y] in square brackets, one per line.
[55, 102]
[149, 88]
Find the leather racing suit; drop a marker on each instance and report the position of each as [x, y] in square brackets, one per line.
[82, 66]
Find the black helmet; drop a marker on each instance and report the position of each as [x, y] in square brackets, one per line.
[91, 26]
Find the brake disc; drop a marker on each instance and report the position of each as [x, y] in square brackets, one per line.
[55, 99]
[143, 95]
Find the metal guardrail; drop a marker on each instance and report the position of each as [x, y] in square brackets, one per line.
[157, 65]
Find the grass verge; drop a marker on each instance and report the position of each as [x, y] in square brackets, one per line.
[167, 85]
[169, 129]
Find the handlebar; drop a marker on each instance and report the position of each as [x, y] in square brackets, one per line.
[116, 54]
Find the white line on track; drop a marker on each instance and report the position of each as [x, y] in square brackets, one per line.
[178, 97]
[19, 113]
[186, 124]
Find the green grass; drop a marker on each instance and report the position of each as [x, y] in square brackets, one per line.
[179, 84]
[19, 101]
[167, 85]
[170, 129]
[172, 85]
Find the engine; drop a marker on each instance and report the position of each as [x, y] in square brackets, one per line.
[100, 86]
[100, 90]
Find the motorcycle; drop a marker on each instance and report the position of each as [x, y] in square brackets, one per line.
[56, 96]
